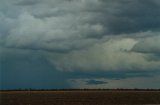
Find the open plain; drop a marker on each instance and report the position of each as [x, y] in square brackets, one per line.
[79, 97]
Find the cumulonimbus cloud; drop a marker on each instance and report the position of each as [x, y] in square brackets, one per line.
[84, 34]
[66, 25]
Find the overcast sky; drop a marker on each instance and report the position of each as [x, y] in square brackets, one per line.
[79, 44]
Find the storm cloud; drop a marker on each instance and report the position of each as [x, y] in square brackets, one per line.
[84, 35]
[67, 25]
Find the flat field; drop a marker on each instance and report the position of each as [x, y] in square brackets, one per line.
[79, 97]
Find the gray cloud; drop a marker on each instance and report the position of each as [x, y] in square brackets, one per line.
[93, 32]
[84, 35]
[136, 16]
[148, 45]
[27, 2]
[58, 25]
[115, 54]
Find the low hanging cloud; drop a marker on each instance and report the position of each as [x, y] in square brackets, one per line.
[131, 83]
[95, 82]
[115, 54]
[149, 44]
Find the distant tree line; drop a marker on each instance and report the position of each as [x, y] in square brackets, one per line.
[118, 89]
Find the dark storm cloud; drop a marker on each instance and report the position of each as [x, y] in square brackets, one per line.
[67, 26]
[134, 16]
[100, 38]
[62, 22]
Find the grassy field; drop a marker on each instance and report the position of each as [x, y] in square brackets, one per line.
[79, 97]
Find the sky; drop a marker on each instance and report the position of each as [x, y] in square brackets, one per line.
[59, 44]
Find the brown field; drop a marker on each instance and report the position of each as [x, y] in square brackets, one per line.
[79, 97]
